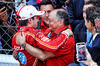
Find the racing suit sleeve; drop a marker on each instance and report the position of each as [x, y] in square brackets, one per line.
[47, 44]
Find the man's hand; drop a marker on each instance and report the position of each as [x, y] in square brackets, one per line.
[15, 54]
[89, 60]
[21, 38]
[67, 32]
[3, 14]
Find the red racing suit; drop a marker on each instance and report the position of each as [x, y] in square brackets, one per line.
[24, 57]
[44, 42]
[47, 44]
[62, 48]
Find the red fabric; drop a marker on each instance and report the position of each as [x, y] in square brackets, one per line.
[47, 31]
[65, 54]
[62, 47]
[43, 27]
[38, 1]
[17, 22]
[47, 44]
[70, 27]
[30, 39]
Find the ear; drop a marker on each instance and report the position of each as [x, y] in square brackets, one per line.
[61, 22]
[91, 24]
[29, 20]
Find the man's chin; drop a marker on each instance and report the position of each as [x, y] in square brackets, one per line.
[50, 29]
[47, 22]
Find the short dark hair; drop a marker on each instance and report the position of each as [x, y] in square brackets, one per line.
[23, 22]
[63, 15]
[46, 2]
[94, 3]
[92, 13]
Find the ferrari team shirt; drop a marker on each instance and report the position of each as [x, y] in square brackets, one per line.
[65, 54]
[24, 57]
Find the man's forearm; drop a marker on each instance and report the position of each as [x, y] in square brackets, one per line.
[50, 45]
[40, 54]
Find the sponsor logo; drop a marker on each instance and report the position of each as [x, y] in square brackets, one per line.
[22, 58]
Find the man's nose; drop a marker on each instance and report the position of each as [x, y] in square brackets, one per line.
[46, 14]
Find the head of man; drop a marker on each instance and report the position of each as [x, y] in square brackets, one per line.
[88, 4]
[92, 13]
[58, 18]
[28, 16]
[47, 6]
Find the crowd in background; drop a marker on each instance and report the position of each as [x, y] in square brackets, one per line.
[82, 14]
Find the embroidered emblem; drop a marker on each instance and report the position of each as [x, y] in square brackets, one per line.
[22, 58]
